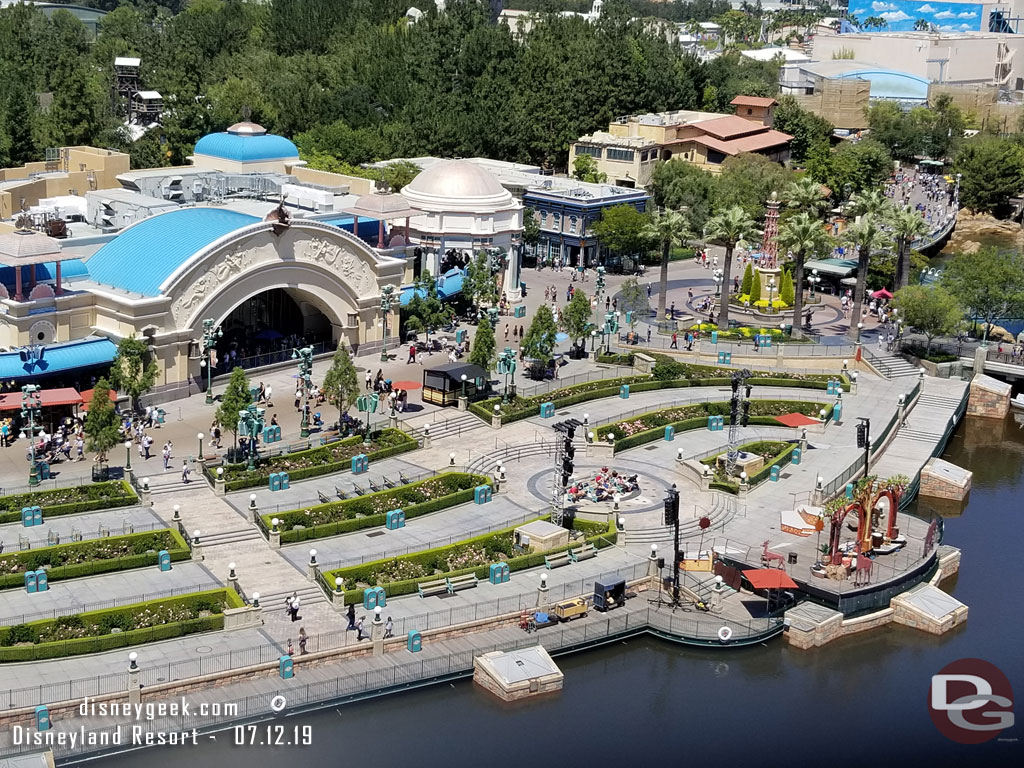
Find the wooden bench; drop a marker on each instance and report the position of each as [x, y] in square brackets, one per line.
[358, 490]
[461, 582]
[340, 493]
[388, 483]
[557, 559]
[324, 498]
[585, 552]
[401, 476]
[436, 587]
[374, 487]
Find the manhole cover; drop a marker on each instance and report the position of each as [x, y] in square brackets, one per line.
[651, 448]
[204, 649]
[375, 533]
[786, 476]
[563, 413]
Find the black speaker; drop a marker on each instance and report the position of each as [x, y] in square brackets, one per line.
[661, 563]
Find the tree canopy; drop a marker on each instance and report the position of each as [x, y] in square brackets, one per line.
[931, 311]
[989, 283]
[341, 382]
[623, 229]
[133, 371]
[992, 171]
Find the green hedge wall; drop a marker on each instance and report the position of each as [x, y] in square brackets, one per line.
[69, 501]
[87, 558]
[321, 461]
[403, 497]
[599, 535]
[214, 600]
[758, 477]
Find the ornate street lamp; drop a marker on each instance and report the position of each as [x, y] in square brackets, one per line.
[305, 358]
[31, 407]
[386, 297]
[211, 334]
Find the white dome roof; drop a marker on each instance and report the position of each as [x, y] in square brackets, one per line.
[457, 185]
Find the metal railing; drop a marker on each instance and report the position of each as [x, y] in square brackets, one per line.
[116, 602]
[814, 395]
[269, 358]
[104, 531]
[613, 372]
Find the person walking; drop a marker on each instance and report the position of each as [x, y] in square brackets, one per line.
[303, 639]
[351, 613]
[369, 379]
[185, 472]
[291, 648]
[389, 628]
[675, 342]
[295, 602]
[412, 354]
[359, 629]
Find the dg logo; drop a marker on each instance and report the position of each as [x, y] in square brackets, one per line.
[971, 701]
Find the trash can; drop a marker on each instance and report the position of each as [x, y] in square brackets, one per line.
[792, 558]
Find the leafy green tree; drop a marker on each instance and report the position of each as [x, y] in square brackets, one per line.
[341, 382]
[989, 283]
[747, 285]
[101, 422]
[931, 311]
[851, 168]
[531, 229]
[540, 336]
[394, 176]
[584, 168]
[748, 180]
[623, 229]
[483, 351]
[805, 195]
[681, 186]
[133, 371]
[755, 288]
[479, 286]
[634, 302]
[803, 236]
[992, 171]
[807, 129]
[667, 229]
[906, 226]
[786, 293]
[729, 228]
[425, 310]
[237, 397]
[575, 318]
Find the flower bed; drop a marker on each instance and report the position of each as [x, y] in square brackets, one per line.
[650, 426]
[774, 452]
[668, 374]
[370, 510]
[69, 501]
[402, 575]
[109, 628]
[334, 457]
[86, 558]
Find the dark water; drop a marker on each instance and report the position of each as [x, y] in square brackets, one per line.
[860, 699]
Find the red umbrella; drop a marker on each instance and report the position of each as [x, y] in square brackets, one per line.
[881, 294]
[406, 385]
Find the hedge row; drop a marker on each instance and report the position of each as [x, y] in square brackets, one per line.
[782, 459]
[13, 639]
[322, 460]
[610, 388]
[65, 561]
[402, 497]
[599, 535]
[69, 501]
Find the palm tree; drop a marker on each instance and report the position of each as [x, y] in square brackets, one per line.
[666, 228]
[803, 235]
[728, 228]
[866, 236]
[805, 194]
[906, 225]
[868, 203]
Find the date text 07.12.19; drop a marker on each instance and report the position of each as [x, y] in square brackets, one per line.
[273, 735]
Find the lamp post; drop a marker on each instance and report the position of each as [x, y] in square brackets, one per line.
[31, 406]
[812, 280]
[200, 438]
[367, 404]
[507, 367]
[593, 339]
[771, 294]
[211, 334]
[718, 282]
[128, 456]
[598, 292]
[305, 358]
[463, 377]
[386, 296]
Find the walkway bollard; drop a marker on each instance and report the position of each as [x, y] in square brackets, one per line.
[542, 591]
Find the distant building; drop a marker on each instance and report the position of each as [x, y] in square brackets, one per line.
[628, 151]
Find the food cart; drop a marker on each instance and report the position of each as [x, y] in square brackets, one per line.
[610, 595]
[443, 384]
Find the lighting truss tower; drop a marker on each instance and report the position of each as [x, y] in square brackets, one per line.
[739, 414]
[564, 454]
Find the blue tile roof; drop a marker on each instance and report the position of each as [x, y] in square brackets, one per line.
[58, 358]
[147, 253]
[46, 271]
[241, 148]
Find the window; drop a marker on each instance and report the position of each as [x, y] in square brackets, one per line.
[556, 222]
[572, 224]
[586, 149]
[716, 157]
[622, 155]
[750, 111]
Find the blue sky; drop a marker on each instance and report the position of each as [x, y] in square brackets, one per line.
[901, 14]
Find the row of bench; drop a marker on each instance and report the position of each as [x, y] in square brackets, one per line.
[451, 585]
[585, 552]
[447, 586]
[358, 490]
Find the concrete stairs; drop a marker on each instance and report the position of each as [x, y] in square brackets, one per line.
[723, 510]
[230, 537]
[892, 367]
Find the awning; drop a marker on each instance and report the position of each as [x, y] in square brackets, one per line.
[769, 578]
[57, 358]
[881, 294]
[87, 398]
[834, 267]
[795, 420]
[47, 398]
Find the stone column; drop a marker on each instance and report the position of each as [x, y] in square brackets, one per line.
[901, 407]
[542, 591]
[377, 632]
[219, 484]
[197, 550]
[275, 534]
[312, 567]
[716, 594]
[232, 577]
[254, 511]
[426, 437]
[980, 356]
[338, 595]
[652, 562]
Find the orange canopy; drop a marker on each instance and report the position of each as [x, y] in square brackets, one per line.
[47, 398]
[795, 420]
[87, 398]
[769, 578]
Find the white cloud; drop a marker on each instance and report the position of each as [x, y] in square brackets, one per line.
[965, 26]
[967, 15]
[945, 15]
[859, 11]
[947, 28]
[878, 6]
[895, 16]
[926, 9]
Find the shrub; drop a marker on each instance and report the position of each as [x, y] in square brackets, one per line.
[137, 623]
[370, 510]
[69, 501]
